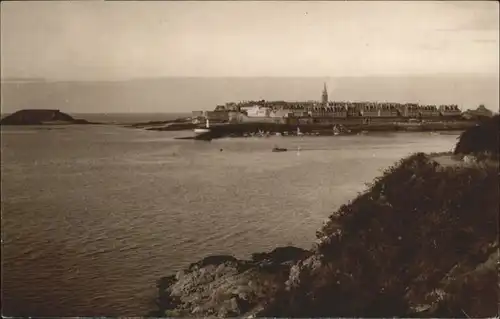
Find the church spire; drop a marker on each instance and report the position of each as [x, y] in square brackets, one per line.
[324, 96]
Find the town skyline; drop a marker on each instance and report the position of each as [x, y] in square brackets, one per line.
[187, 94]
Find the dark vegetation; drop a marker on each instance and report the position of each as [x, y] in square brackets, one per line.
[421, 241]
[392, 248]
[482, 138]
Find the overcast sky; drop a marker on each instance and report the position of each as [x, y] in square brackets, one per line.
[122, 40]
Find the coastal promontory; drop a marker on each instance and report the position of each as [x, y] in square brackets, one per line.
[421, 241]
[40, 117]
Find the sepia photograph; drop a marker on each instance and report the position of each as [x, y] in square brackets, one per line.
[250, 159]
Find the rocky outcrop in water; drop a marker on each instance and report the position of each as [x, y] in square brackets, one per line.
[39, 117]
[178, 124]
[421, 241]
[223, 286]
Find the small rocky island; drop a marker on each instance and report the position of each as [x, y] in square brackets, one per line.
[421, 241]
[40, 117]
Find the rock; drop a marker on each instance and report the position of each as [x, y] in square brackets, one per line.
[196, 310]
[224, 286]
[234, 306]
[215, 260]
[39, 117]
[281, 254]
[452, 298]
[467, 159]
[179, 275]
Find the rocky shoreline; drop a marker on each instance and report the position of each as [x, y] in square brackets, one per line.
[224, 286]
[244, 130]
[422, 241]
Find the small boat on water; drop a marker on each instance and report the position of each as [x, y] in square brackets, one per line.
[201, 130]
[336, 130]
[279, 149]
[205, 129]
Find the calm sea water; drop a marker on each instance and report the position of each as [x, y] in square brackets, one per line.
[92, 216]
[127, 118]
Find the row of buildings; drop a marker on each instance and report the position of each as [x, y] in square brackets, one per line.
[324, 110]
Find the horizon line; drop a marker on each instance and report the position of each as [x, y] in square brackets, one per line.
[41, 79]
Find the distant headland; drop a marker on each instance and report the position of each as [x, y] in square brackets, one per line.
[40, 117]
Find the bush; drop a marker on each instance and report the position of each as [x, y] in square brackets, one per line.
[482, 138]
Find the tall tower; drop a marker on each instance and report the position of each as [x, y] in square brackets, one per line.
[324, 96]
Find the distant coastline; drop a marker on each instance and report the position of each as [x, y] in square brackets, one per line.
[130, 118]
[323, 117]
[266, 118]
[120, 118]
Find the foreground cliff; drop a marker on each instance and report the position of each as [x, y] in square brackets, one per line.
[422, 241]
[39, 117]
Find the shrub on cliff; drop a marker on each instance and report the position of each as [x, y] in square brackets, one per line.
[481, 138]
[382, 254]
